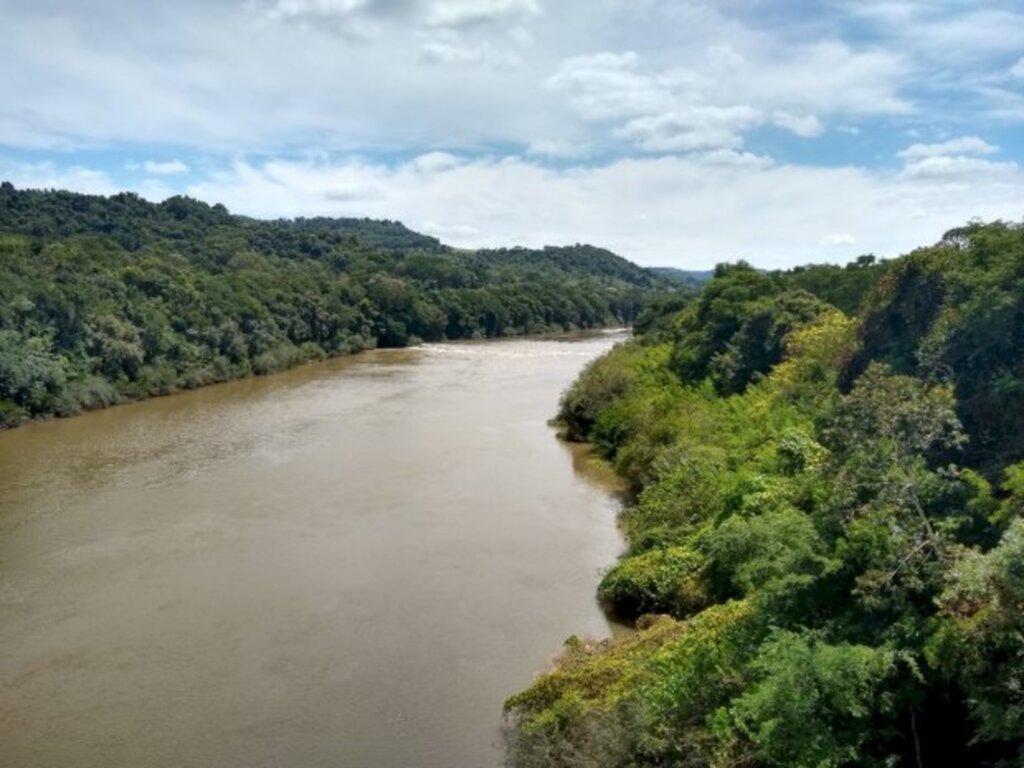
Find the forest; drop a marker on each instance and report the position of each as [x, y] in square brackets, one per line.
[825, 543]
[104, 299]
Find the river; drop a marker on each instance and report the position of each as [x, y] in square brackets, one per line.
[347, 565]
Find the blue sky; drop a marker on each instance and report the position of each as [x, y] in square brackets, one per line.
[680, 133]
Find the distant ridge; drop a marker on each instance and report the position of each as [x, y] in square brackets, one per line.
[690, 277]
[104, 299]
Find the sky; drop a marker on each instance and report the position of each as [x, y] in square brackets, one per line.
[677, 133]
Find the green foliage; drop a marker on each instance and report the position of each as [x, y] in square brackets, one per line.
[31, 374]
[855, 484]
[809, 704]
[658, 581]
[772, 551]
[655, 322]
[602, 382]
[706, 330]
[103, 299]
[955, 313]
[980, 640]
[687, 278]
[845, 288]
[673, 672]
[738, 328]
[760, 342]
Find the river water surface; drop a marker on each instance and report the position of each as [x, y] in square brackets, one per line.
[348, 565]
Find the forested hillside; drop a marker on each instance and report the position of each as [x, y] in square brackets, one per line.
[103, 299]
[826, 547]
[687, 277]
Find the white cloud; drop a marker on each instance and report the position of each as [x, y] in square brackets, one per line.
[725, 57]
[453, 13]
[887, 12]
[450, 53]
[587, 92]
[807, 126]
[1017, 70]
[349, 74]
[680, 210]
[694, 128]
[958, 167]
[977, 33]
[838, 238]
[161, 168]
[608, 86]
[447, 52]
[945, 31]
[713, 102]
[955, 161]
[435, 162]
[431, 13]
[47, 175]
[732, 157]
[965, 145]
[206, 82]
[451, 231]
[557, 148]
[287, 9]
[155, 190]
[830, 77]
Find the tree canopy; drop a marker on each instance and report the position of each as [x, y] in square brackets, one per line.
[825, 540]
[107, 298]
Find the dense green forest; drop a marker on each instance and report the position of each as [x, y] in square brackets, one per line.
[108, 298]
[687, 277]
[826, 545]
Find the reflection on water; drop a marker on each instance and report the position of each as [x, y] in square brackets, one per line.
[349, 564]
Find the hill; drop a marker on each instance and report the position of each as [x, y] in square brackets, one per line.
[689, 277]
[108, 298]
[826, 543]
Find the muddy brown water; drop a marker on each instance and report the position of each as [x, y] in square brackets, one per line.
[348, 565]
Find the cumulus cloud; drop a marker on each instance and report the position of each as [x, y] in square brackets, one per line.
[945, 31]
[48, 175]
[160, 168]
[454, 52]
[732, 157]
[431, 13]
[435, 162]
[725, 57]
[682, 210]
[502, 74]
[608, 86]
[838, 238]
[287, 9]
[453, 13]
[958, 167]
[557, 148]
[717, 99]
[637, 125]
[693, 128]
[807, 126]
[965, 145]
[831, 77]
[955, 160]
[443, 52]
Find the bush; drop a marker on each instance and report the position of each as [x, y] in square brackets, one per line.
[660, 581]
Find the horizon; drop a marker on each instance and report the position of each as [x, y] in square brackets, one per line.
[455, 249]
[673, 134]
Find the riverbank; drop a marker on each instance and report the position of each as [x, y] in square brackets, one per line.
[107, 397]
